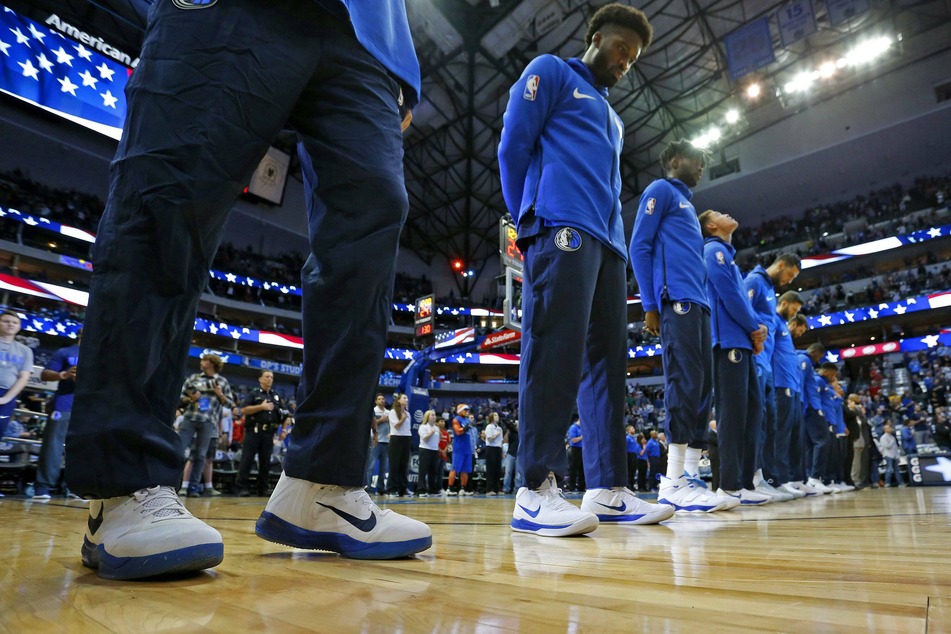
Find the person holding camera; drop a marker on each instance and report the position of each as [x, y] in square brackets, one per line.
[203, 396]
[264, 412]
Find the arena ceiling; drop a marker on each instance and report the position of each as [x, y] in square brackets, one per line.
[471, 51]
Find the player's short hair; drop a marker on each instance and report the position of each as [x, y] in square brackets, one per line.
[10, 313]
[828, 366]
[816, 348]
[798, 320]
[263, 372]
[791, 297]
[704, 218]
[620, 15]
[683, 149]
[789, 259]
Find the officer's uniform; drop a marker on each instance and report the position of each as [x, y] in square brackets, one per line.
[738, 400]
[216, 83]
[559, 161]
[259, 430]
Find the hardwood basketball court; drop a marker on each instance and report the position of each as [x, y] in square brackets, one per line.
[869, 561]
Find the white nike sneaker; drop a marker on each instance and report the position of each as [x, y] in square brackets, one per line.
[546, 512]
[620, 505]
[146, 534]
[747, 497]
[727, 501]
[817, 484]
[845, 488]
[791, 489]
[805, 488]
[685, 496]
[774, 494]
[343, 520]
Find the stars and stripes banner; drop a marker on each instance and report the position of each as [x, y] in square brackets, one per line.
[884, 309]
[910, 344]
[45, 68]
[876, 246]
[454, 337]
[242, 280]
[49, 225]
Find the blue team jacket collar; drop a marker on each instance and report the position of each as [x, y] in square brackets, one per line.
[582, 69]
[759, 270]
[729, 247]
[683, 189]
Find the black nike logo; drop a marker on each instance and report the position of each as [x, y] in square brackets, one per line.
[95, 522]
[365, 525]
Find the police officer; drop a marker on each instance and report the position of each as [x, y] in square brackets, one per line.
[737, 336]
[264, 412]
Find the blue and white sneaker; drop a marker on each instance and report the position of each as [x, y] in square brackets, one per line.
[747, 497]
[686, 496]
[620, 505]
[696, 480]
[546, 512]
[147, 534]
[343, 520]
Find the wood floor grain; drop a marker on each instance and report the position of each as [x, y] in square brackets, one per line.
[869, 561]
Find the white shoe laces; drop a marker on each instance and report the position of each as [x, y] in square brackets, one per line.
[160, 502]
[554, 497]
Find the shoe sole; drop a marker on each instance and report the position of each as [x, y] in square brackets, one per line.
[693, 508]
[582, 526]
[191, 559]
[273, 529]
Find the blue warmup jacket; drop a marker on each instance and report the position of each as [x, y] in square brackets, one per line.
[759, 286]
[560, 151]
[831, 405]
[810, 383]
[573, 432]
[383, 29]
[732, 317]
[667, 247]
[786, 372]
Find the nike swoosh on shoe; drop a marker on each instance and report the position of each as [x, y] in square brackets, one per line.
[365, 525]
[532, 514]
[94, 522]
[619, 509]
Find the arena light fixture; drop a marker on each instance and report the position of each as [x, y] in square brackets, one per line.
[868, 51]
[732, 115]
[753, 91]
[827, 70]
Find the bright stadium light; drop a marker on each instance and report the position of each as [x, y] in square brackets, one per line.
[801, 82]
[868, 50]
[753, 91]
[732, 115]
[827, 70]
[714, 134]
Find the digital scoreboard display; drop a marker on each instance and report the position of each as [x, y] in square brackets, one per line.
[425, 316]
[511, 256]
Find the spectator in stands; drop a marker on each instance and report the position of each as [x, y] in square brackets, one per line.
[654, 459]
[642, 463]
[16, 365]
[401, 437]
[429, 482]
[264, 412]
[510, 462]
[61, 368]
[380, 445]
[889, 449]
[575, 456]
[493, 455]
[203, 396]
[461, 451]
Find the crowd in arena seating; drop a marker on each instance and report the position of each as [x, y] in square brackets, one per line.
[889, 203]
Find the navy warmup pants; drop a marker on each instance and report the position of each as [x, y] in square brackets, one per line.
[213, 89]
[818, 440]
[765, 458]
[739, 405]
[786, 440]
[574, 351]
[688, 370]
